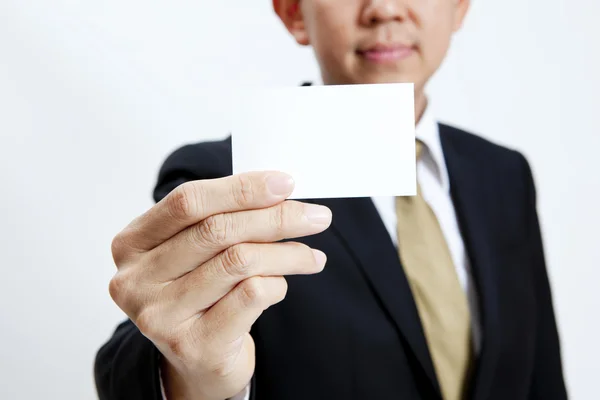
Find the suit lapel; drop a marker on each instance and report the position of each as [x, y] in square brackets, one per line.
[358, 224]
[472, 204]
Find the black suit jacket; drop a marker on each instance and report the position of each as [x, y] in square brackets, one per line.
[353, 332]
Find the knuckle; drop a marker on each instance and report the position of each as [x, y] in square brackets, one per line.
[237, 260]
[278, 216]
[123, 248]
[118, 248]
[177, 346]
[119, 288]
[148, 323]
[243, 191]
[285, 213]
[183, 203]
[214, 230]
[252, 292]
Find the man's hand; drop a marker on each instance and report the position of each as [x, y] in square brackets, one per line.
[198, 269]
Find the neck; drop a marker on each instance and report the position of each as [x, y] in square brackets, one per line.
[420, 105]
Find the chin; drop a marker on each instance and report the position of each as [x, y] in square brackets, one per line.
[385, 78]
[373, 77]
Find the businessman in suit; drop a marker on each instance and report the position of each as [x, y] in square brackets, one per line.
[443, 295]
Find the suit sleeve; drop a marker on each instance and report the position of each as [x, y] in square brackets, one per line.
[126, 367]
[547, 381]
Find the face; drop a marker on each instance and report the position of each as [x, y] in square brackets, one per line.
[374, 41]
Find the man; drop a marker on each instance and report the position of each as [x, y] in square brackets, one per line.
[440, 295]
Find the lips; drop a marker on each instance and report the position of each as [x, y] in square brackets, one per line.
[381, 53]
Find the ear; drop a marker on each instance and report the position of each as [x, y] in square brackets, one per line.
[460, 11]
[290, 13]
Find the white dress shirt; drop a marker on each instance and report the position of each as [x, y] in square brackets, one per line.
[433, 178]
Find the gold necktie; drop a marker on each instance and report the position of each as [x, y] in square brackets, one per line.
[440, 299]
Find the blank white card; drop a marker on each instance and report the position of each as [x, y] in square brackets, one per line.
[335, 141]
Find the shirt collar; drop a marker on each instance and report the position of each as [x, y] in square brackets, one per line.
[428, 132]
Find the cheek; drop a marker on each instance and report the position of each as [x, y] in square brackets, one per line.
[435, 45]
[435, 37]
[437, 27]
[330, 34]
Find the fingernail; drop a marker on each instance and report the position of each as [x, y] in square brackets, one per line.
[317, 214]
[320, 257]
[280, 184]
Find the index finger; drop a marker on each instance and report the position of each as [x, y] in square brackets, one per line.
[194, 201]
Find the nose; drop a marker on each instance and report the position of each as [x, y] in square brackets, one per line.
[382, 11]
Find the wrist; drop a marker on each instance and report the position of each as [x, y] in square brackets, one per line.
[176, 386]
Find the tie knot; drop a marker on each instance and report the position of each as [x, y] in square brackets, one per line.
[419, 148]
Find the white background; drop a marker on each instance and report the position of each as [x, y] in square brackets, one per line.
[94, 95]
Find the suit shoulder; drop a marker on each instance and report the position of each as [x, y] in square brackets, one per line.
[203, 160]
[482, 150]
[209, 159]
